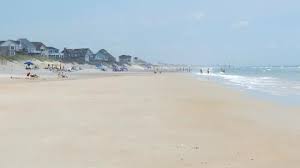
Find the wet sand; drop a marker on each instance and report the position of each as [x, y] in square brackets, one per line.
[167, 120]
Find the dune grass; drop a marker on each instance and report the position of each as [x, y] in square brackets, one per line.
[18, 58]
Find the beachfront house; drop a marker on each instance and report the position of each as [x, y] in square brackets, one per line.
[53, 53]
[27, 47]
[6, 51]
[9, 47]
[82, 55]
[125, 59]
[104, 56]
[41, 49]
[24, 46]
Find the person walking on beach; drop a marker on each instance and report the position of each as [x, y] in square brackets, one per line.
[201, 71]
[208, 71]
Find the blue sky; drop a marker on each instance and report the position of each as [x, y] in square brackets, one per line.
[240, 32]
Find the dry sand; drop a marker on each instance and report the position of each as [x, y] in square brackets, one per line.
[142, 121]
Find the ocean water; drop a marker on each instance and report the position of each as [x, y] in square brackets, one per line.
[279, 83]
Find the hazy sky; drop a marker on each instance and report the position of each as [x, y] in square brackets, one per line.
[245, 32]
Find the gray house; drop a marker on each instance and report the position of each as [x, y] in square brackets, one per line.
[41, 49]
[53, 53]
[27, 47]
[9, 47]
[104, 56]
[81, 55]
[6, 51]
[125, 59]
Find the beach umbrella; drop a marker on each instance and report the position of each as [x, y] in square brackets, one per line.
[28, 63]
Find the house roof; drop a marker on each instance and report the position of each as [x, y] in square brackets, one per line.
[52, 48]
[26, 43]
[81, 51]
[38, 44]
[104, 53]
[11, 41]
[125, 56]
[17, 42]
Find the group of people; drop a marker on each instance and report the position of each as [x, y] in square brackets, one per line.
[61, 71]
[53, 67]
[156, 71]
[184, 69]
[208, 71]
[62, 74]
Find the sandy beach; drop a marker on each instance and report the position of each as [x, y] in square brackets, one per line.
[134, 121]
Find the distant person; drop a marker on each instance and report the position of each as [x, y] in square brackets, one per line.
[208, 71]
[201, 71]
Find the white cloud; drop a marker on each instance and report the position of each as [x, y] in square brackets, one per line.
[241, 24]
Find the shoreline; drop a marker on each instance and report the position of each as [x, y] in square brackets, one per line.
[284, 99]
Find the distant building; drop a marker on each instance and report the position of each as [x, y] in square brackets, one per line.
[9, 47]
[125, 59]
[54, 53]
[104, 56]
[41, 49]
[82, 55]
[6, 51]
[27, 47]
